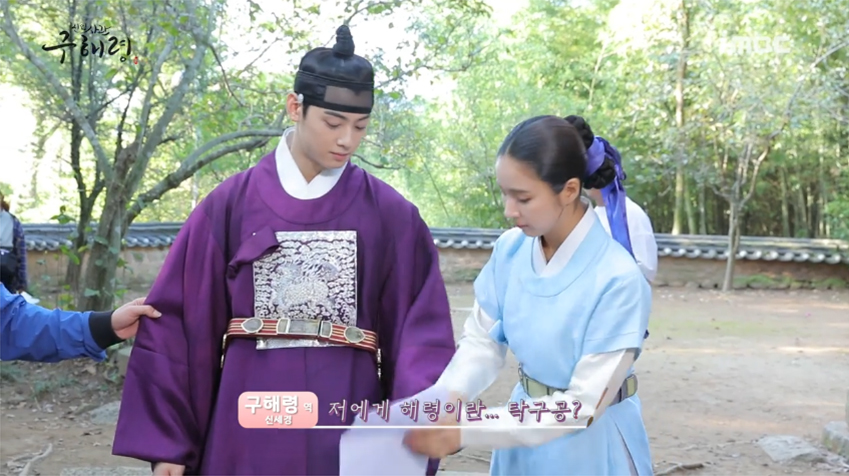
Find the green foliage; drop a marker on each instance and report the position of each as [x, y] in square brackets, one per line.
[837, 210]
[763, 79]
[761, 281]
[11, 372]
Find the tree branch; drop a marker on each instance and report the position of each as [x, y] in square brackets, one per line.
[358, 9]
[377, 166]
[223, 73]
[174, 102]
[193, 164]
[56, 85]
[144, 118]
[119, 141]
[761, 158]
[261, 54]
[169, 139]
[195, 156]
[810, 70]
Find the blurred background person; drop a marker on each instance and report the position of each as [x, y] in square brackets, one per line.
[13, 250]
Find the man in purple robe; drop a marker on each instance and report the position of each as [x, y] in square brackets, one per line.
[308, 265]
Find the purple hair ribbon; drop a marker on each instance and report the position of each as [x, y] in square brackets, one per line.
[614, 193]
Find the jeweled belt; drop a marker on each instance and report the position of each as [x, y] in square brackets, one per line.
[325, 331]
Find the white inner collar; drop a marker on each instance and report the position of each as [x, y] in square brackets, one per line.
[294, 182]
[567, 249]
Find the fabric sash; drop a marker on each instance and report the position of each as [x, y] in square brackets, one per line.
[614, 193]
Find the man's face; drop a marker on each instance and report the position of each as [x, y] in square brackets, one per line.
[327, 137]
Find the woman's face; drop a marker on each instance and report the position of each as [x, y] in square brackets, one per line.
[529, 201]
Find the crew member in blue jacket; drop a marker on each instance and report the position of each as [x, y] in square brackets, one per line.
[33, 333]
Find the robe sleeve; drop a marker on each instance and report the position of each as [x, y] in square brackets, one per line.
[32, 333]
[482, 349]
[643, 243]
[416, 335]
[594, 383]
[174, 367]
[621, 316]
[479, 358]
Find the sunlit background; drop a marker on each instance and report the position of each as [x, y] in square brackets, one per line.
[17, 122]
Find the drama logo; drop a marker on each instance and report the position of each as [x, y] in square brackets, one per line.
[94, 41]
[755, 45]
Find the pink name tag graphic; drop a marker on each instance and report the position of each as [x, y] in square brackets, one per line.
[278, 410]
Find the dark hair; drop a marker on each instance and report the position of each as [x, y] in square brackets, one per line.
[551, 147]
[3, 203]
[338, 64]
[607, 172]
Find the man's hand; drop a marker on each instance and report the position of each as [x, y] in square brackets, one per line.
[125, 319]
[167, 469]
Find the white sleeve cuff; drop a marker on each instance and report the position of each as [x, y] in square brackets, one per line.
[594, 385]
[478, 360]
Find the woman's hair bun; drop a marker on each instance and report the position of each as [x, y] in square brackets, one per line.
[605, 174]
[584, 129]
[602, 177]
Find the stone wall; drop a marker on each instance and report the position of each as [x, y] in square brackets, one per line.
[47, 270]
[463, 264]
[751, 273]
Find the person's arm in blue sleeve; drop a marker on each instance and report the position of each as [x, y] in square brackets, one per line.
[33, 333]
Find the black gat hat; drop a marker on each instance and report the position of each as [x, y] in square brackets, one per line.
[335, 78]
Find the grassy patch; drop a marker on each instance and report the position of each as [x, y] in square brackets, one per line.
[43, 387]
[761, 281]
[462, 275]
[830, 283]
[10, 372]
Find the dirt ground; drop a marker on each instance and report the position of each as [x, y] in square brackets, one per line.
[718, 373]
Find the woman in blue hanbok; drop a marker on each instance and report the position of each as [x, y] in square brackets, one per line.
[571, 304]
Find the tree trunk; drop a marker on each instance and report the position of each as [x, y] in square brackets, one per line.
[99, 290]
[811, 198]
[100, 284]
[688, 208]
[822, 203]
[802, 228]
[734, 212]
[785, 203]
[679, 199]
[75, 262]
[72, 274]
[719, 222]
[702, 211]
[195, 190]
[680, 75]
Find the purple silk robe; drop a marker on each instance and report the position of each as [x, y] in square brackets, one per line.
[180, 406]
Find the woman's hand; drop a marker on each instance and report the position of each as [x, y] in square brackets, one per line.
[437, 441]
